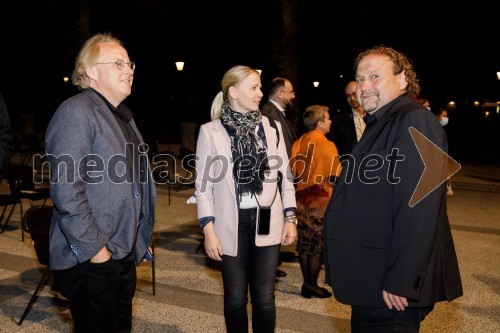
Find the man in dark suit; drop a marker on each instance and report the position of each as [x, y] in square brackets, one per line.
[102, 190]
[347, 127]
[281, 94]
[389, 259]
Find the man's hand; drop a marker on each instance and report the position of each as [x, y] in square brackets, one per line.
[101, 256]
[399, 302]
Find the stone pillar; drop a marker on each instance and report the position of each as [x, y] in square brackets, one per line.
[188, 137]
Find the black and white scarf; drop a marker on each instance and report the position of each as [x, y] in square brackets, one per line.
[249, 151]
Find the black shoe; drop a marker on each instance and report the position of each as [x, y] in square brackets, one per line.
[280, 273]
[308, 292]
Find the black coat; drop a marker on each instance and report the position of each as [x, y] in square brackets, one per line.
[374, 240]
[343, 132]
[271, 111]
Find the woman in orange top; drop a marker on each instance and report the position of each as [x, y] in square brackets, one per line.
[315, 165]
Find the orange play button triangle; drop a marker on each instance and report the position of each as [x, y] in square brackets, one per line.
[439, 166]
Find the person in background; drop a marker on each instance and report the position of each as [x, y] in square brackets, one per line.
[243, 216]
[442, 116]
[424, 102]
[102, 191]
[347, 127]
[389, 259]
[281, 95]
[315, 165]
[6, 137]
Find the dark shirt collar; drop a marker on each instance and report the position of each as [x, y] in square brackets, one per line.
[380, 113]
[122, 111]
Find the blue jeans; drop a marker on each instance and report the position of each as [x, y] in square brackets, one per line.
[384, 320]
[253, 267]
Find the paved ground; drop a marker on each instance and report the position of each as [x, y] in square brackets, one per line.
[189, 290]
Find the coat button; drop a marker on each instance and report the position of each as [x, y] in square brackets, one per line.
[137, 195]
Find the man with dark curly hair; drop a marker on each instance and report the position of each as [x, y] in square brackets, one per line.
[388, 258]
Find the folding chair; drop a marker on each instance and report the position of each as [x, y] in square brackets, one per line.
[10, 199]
[36, 221]
[27, 189]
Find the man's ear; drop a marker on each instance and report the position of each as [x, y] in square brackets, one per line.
[403, 84]
[91, 72]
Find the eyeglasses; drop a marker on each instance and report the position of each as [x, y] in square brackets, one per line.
[120, 64]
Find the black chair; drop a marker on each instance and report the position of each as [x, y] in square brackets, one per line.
[188, 160]
[10, 199]
[29, 189]
[36, 221]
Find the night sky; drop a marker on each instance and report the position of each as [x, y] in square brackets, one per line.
[453, 51]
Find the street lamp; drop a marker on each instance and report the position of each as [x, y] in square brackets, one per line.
[179, 65]
[316, 84]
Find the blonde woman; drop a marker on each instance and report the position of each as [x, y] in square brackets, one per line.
[243, 216]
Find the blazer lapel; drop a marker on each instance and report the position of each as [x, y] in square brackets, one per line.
[364, 145]
[285, 124]
[108, 115]
[222, 147]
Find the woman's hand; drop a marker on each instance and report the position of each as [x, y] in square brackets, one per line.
[212, 244]
[289, 234]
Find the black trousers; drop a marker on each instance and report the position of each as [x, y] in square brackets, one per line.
[385, 320]
[253, 267]
[100, 295]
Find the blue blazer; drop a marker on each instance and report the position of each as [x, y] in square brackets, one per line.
[93, 205]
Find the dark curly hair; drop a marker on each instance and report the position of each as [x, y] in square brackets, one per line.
[400, 63]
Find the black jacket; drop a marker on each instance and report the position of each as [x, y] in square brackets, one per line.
[374, 240]
[343, 132]
[271, 111]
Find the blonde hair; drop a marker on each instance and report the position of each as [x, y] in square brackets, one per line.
[314, 114]
[231, 78]
[88, 56]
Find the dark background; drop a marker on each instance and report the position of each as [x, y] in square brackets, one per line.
[453, 50]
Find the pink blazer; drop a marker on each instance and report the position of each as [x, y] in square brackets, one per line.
[215, 187]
